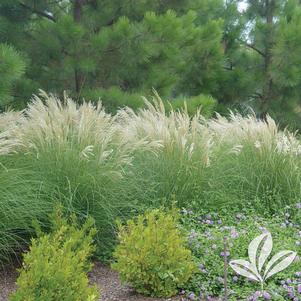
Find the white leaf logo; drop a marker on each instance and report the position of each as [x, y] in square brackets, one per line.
[284, 259]
[245, 268]
[259, 250]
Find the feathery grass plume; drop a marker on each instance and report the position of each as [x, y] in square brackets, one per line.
[253, 160]
[214, 162]
[182, 151]
[78, 150]
[237, 129]
[8, 122]
[9, 119]
[116, 166]
[176, 130]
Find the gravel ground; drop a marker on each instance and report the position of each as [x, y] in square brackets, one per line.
[7, 283]
[106, 279]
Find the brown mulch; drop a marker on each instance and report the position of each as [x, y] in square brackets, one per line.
[107, 280]
[7, 283]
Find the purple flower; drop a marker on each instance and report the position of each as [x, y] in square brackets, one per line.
[235, 279]
[298, 274]
[266, 296]
[290, 292]
[191, 296]
[299, 288]
[193, 234]
[263, 229]
[298, 205]
[225, 254]
[234, 233]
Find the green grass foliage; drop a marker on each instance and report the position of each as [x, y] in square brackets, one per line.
[116, 166]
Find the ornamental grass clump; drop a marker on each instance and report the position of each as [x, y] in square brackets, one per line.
[56, 266]
[182, 152]
[117, 166]
[253, 160]
[152, 256]
[213, 162]
[79, 151]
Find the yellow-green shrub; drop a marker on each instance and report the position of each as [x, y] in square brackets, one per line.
[55, 266]
[152, 256]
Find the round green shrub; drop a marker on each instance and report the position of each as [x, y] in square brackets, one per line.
[152, 256]
[55, 266]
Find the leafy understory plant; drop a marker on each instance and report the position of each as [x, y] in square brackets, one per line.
[55, 266]
[207, 230]
[259, 251]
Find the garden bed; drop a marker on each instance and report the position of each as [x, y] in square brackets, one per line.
[107, 281]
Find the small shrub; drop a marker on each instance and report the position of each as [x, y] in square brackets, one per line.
[55, 266]
[152, 256]
[205, 103]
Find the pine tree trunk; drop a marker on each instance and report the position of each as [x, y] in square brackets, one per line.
[77, 15]
[268, 82]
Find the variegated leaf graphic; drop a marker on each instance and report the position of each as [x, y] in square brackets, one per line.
[263, 253]
[283, 259]
[245, 268]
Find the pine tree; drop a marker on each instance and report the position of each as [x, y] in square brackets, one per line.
[12, 67]
[195, 50]
[274, 40]
[101, 48]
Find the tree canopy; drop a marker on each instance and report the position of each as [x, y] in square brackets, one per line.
[208, 52]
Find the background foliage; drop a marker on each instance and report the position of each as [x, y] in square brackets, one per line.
[120, 50]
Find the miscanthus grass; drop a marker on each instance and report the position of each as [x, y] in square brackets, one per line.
[79, 151]
[238, 160]
[115, 166]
